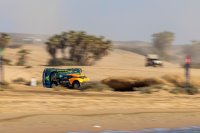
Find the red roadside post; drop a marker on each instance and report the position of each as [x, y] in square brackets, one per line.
[187, 71]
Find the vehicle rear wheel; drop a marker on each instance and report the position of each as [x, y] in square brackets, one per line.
[76, 85]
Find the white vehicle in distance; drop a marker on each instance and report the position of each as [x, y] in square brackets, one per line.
[153, 60]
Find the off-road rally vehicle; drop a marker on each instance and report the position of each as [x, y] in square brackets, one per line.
[153, 60]
[71, 77]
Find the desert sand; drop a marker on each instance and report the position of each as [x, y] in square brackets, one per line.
[37, 109]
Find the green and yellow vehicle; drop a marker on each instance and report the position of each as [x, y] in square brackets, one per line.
[70, 77]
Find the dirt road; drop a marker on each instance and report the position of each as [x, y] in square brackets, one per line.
[46, 111]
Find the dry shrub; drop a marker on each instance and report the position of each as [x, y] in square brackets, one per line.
[119, 84]
[151, 89]
[171, 83]
[144, 90]
[19, 81]
[130, 83]
[4, 85]
[28, 67]
[95, 86]
[7, 61]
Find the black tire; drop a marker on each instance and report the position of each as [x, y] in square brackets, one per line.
[76, 85]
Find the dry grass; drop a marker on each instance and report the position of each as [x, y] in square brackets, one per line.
[179, 81]
[19, 81]
[188, 90]
[174, 80]
[179, 86]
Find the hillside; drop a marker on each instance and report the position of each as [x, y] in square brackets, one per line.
[122, 58]
[117, 63]
[117, 57]
[177, 52]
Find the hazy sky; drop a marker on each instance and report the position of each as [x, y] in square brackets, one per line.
[124, 20]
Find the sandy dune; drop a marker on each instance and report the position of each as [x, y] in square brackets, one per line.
[123, 59]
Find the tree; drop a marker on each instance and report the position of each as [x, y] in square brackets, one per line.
[4, 41]
[63, 43]
[22, 57]
[162, 41]
[84, 49]
[52, 46]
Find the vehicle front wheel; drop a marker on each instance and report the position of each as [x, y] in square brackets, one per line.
[76, 85]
